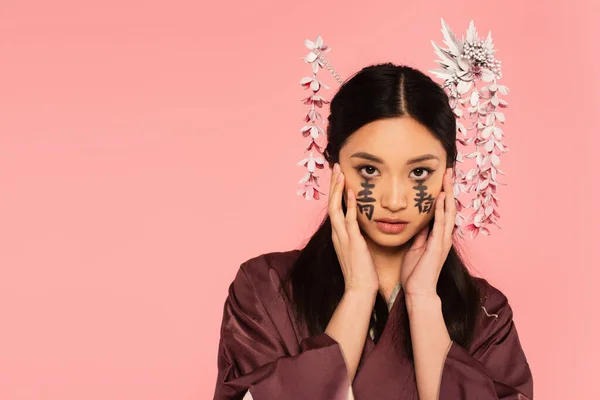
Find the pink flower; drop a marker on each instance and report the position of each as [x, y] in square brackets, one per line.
[310, 192]
[312, 162]
[312, 83]
[315, 100]
[312, 130]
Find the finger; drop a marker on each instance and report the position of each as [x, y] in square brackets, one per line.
[336, 214]
[437, 233]
[450, 204]
[420, 238]
[334, 174]
[351, 214]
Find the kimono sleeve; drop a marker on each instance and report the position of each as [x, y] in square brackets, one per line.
[260, 360]
[497, 368]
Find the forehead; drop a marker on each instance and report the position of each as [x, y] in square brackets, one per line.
[393, 140]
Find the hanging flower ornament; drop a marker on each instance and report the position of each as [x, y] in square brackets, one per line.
[311, 129]
[464, 63]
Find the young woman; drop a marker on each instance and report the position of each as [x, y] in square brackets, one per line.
[378, 304]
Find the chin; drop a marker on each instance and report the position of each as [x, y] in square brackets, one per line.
[390, 240]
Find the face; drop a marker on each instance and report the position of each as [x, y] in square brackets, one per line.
[396, 168]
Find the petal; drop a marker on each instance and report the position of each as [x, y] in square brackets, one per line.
[319, 42]
[472, 32]
[495, 160]
[309, 44]
[463, 87]
[305, 178]
[310, 57]
[487, 131]
[483, 184]
[463, 63]
[487, 75]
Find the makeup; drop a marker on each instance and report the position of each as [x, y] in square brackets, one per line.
[365, 196]
[424, 200]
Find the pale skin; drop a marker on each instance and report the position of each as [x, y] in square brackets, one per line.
[385, 152]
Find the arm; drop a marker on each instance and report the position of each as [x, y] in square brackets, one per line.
[349, 325]
[430, 342]
[263, 358]
[496, 369]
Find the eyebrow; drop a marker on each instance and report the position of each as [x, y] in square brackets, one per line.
[371, 157]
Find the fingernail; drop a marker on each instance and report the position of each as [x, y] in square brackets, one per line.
[340, 176]
[336, 168]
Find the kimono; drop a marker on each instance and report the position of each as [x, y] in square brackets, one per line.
[264, 354]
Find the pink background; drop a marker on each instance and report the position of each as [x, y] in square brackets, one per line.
[148, 148]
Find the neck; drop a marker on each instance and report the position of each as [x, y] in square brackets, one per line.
[388, 263]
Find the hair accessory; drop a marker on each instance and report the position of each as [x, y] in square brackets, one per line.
[464, 64]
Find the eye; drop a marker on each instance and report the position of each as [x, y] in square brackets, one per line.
[421, 173]
[367, 171]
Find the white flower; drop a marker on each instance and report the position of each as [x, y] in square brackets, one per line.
[309, 192]
[312, 162]
[312, 130]
[312, 83]
[315, 100]
[465, 61]
[315, 47]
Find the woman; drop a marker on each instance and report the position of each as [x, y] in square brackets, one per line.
[378, 304]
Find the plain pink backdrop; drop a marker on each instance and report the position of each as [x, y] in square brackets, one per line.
[148, 148]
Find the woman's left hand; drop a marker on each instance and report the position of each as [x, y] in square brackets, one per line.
[424, 260]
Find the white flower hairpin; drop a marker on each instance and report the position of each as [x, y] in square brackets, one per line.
[312, 130]
[464, 63]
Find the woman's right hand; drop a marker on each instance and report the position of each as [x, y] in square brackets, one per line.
[350, 246]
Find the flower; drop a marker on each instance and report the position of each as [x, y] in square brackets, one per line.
[315, 100]
[309, 192]
[312, 162]
[312, 83]
[316, 48]
[463, 62]
[312, 130]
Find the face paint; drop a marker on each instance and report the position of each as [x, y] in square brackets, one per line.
[424, 200]
[364, 196]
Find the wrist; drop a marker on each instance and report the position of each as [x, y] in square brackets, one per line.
[361, 292]
[423, 303]
[362, 298]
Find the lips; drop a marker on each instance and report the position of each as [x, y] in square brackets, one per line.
[391, 226]
[391, 221]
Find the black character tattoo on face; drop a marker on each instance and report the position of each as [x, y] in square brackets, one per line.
[365, 196]
[424, 200]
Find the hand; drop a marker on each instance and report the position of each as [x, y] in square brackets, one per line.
[350, 246]
[424, 260]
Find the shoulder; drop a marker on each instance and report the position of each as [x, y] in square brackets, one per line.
[264, 274]
[490, 295]
[495, 314]
[262, 266]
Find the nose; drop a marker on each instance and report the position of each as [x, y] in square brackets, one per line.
[394, 197]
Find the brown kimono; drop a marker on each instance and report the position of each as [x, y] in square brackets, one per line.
[264, 354]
